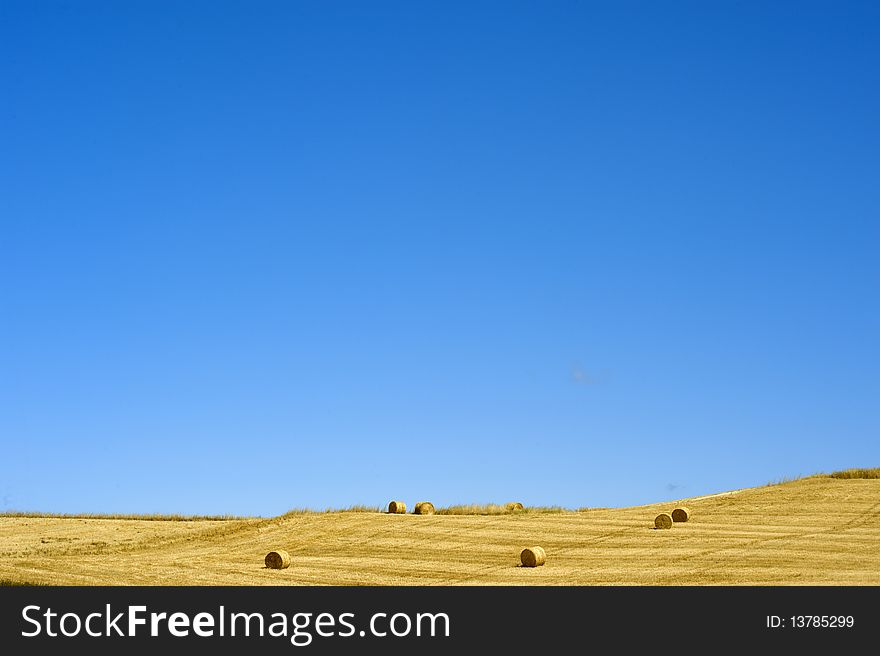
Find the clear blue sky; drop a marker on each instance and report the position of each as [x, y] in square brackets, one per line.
[259, 255]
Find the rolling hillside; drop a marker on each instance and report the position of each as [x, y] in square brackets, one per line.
[817, 530]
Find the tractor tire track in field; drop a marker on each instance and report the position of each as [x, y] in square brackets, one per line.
[860, 520]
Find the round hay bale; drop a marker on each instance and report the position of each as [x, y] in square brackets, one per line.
[424, 508]
[278, 559]
[533, 557]
[681, 514]
[513, 505]
[663, 520]
[396, 507]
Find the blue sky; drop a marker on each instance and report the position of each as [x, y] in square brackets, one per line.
[257, 256]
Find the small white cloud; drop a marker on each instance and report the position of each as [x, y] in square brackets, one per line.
[582, 376]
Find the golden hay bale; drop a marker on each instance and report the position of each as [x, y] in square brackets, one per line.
[681, 514]
[663, 520]
[424, 508]
[397, 507]
[278, 559]
[533, 557]
[513, 505]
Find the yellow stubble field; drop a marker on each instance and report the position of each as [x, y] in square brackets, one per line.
[811, 531]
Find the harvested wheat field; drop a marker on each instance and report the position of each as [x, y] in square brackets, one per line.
[818, 530]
